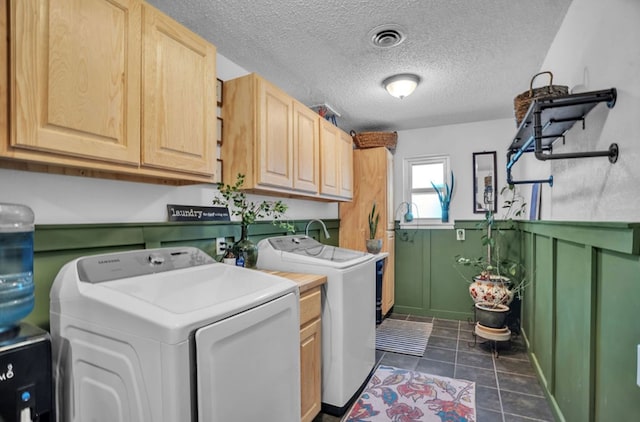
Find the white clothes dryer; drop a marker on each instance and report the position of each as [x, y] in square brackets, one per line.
[167, 335]
[348, 310]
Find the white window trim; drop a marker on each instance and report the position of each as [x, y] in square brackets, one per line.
[421, 222]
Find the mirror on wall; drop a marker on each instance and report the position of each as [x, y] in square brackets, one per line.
[485, 183]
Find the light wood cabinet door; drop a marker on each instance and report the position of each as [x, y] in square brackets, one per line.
[280, 145]
[371, 167]
[346, 165]
[306, 149]
[275, 136]
[310, 369]
[310, 353]
[76, 78]
[388, 277]
[372, 182]
[390, 217]
[179, 102]
[329, 163]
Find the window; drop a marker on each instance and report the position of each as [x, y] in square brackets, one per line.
[419, 172]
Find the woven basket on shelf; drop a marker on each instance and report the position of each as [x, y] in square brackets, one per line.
[375, 139]
[522, 102]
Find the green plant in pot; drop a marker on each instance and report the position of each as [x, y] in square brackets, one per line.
[497, 278]
[374, 245]
[232, 197]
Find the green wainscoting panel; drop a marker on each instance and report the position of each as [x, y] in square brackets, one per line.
[412, 255]
[544, 324]
[449, 290]
[619, 237]
[428, 282]
[528, 301]
[580, 316]
[617, 397]
[86, 236]
[55, 245]
[573, 343]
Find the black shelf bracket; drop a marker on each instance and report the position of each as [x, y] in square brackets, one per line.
[557, 115]
[510, 180]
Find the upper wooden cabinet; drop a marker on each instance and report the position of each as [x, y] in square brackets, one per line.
[179, 103]
[78, 71]
[329, 151]
[336, 162]
[346, 164]
[76, 78]
[275, 137]
[274, 140]
[306, 148]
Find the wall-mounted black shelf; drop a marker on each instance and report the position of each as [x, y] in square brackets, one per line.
[547, 120]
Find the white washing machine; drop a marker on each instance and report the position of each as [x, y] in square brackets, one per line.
[348, 310]
[168, 335]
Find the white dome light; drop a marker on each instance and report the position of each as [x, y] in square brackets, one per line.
[402, 85]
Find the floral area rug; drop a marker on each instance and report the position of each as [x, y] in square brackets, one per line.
[399, 395]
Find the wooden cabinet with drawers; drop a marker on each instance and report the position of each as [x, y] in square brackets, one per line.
[310, 353]
[310, 340]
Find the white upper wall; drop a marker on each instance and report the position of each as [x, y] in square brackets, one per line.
[459, 142]
[597, 47]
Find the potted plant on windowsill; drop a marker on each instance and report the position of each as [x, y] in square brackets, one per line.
[444, 196]
[374, 245]
[245, 251]
[498, 279]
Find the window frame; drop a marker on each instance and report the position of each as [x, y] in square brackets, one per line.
[407, 187]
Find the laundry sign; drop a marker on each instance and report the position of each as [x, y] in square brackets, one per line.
[197, 213]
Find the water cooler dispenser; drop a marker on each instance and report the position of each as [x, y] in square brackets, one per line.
[26, 392]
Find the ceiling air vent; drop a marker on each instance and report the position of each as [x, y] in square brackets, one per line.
[386, 36]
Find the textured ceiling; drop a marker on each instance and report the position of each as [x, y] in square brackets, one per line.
[472, 56]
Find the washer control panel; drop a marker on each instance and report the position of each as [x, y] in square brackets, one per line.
[100, 268]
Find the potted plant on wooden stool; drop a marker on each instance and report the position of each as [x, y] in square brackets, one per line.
[374, 245]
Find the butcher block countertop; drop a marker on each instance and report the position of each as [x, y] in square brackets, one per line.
[305, 281]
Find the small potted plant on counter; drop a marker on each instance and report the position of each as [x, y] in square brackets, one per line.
[374, 245]
[244, 250]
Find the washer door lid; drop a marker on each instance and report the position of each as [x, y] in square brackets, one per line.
[206, 287]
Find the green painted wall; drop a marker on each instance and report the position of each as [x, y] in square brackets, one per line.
[428, 282]
[55, 245]
[617, 334]
[579, 312]
[582, 330]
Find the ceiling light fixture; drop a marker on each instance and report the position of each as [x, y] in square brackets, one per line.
[402, 85]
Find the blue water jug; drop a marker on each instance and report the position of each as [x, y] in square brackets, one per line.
[16, 264]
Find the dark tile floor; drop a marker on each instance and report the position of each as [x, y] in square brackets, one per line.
[507, 389]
